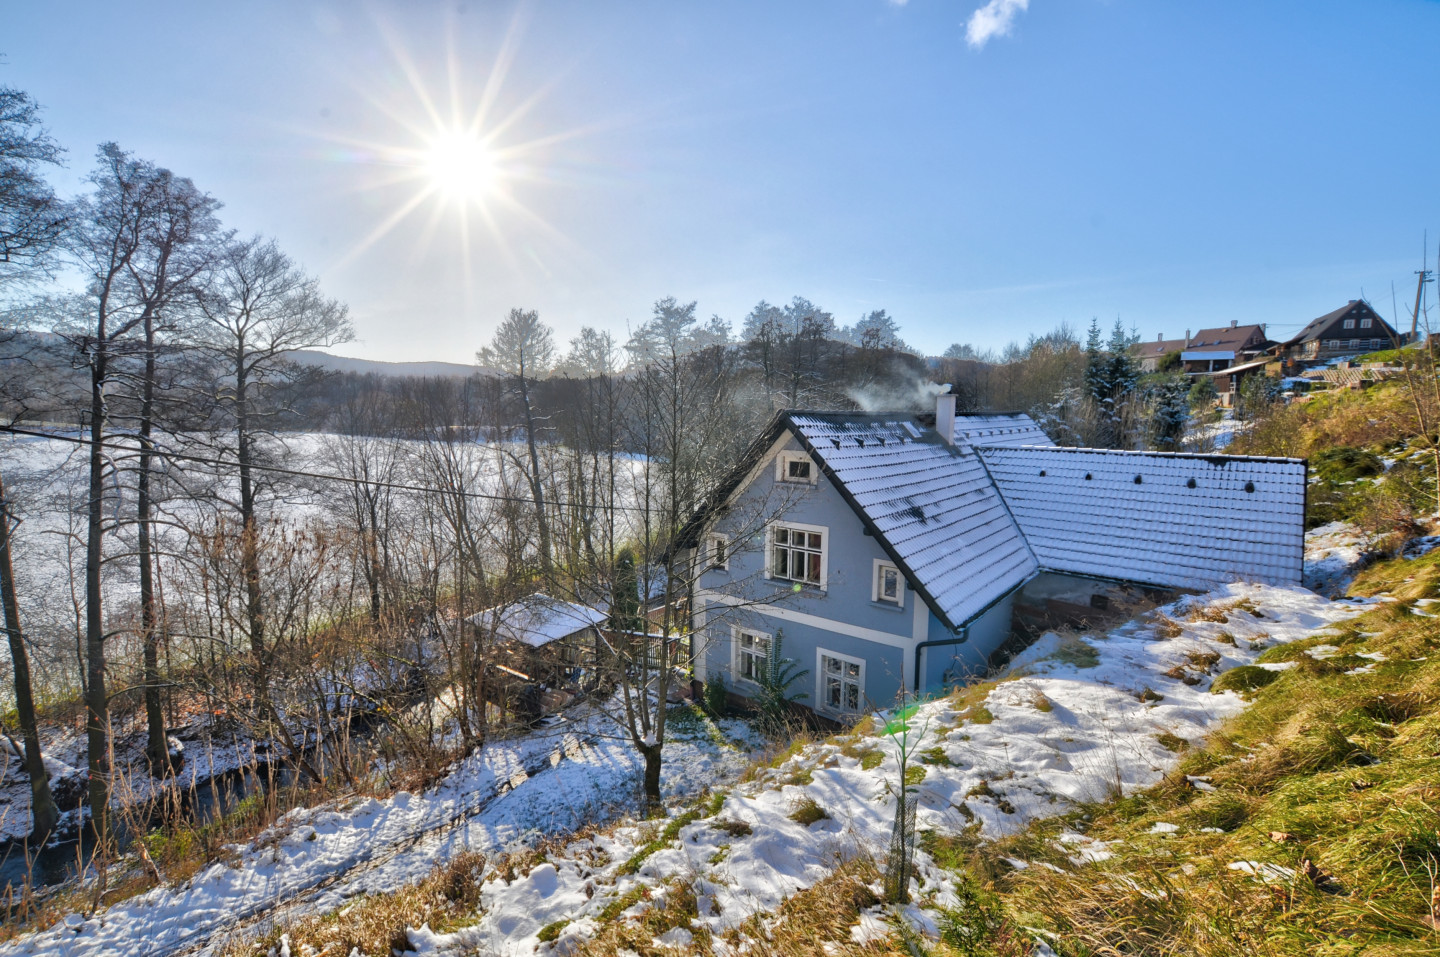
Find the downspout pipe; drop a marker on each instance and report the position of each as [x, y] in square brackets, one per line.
[938, 642]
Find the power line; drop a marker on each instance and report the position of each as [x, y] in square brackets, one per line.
[205, 460]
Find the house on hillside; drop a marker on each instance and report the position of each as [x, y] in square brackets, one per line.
[1151, 354]
[1211, 350]
[1351, 329]
[890, 550]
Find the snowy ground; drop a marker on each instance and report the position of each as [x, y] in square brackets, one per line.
[1334, 554]
[1215, 436]
[1073, 724]
[1061, 733]
[547, 782]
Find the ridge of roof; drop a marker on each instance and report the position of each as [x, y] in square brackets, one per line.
[1211, 457]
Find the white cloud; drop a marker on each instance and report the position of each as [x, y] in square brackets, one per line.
[993, 20]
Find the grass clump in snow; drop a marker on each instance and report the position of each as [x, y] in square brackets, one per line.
[551, 931]
[1077, 652]
[732, 827]
[671, 831]
[816, 921]
[1243, 678]
[1172, 742]
[1306, 825]
[807, 811]
[935, 756]
[624, 902]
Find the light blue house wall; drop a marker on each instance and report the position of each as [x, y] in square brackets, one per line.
[948, 665]
[841, 618]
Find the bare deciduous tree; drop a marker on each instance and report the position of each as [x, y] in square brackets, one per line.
[523, 349]
[256, 308]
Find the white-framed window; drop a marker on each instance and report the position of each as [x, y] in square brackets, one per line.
[1332, 343]
[888, 585]
[840, 687]
[1374, 343]
[717, 551]
[1366, 323]
[1354, 343]
[794, 468]
[749, 654]
[798, 553]
[1349, 323]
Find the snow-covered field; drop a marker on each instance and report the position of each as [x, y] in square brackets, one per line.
[1072, 724]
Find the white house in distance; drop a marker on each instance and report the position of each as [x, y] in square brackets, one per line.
[890, 550]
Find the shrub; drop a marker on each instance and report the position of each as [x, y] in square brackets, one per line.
[717, 700]
[1343, 464]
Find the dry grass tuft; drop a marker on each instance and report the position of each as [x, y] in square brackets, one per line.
[446, 900]
[807, 811]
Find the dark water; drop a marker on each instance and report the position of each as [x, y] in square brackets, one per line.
[63, 860]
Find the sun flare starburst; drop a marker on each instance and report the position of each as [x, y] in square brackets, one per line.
[469, 161]
[461, 166]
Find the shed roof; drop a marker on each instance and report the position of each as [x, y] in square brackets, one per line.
[1137, 516]
[538, 619]
[931, 506]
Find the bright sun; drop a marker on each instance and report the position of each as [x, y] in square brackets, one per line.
[461, 166]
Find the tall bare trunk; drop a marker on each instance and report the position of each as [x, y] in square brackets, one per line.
[43, 812]
[97, 703]
[537, 487]
[249, 539]
[157, 748]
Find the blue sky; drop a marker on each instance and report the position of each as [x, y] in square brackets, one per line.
[1173, 164]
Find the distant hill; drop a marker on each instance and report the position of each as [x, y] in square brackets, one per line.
[326, 361]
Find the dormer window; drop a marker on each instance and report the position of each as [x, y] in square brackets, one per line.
[795, 468]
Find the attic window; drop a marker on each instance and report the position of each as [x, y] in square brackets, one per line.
[1138, 480]
[1249, 486]
[1190, 483]
[794, 468]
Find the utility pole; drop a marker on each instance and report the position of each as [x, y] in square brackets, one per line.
[1425, 275]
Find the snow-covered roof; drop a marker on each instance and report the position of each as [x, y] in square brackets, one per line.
[538, 619]
[999, 429]
[931, 506]
[1165, 518]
